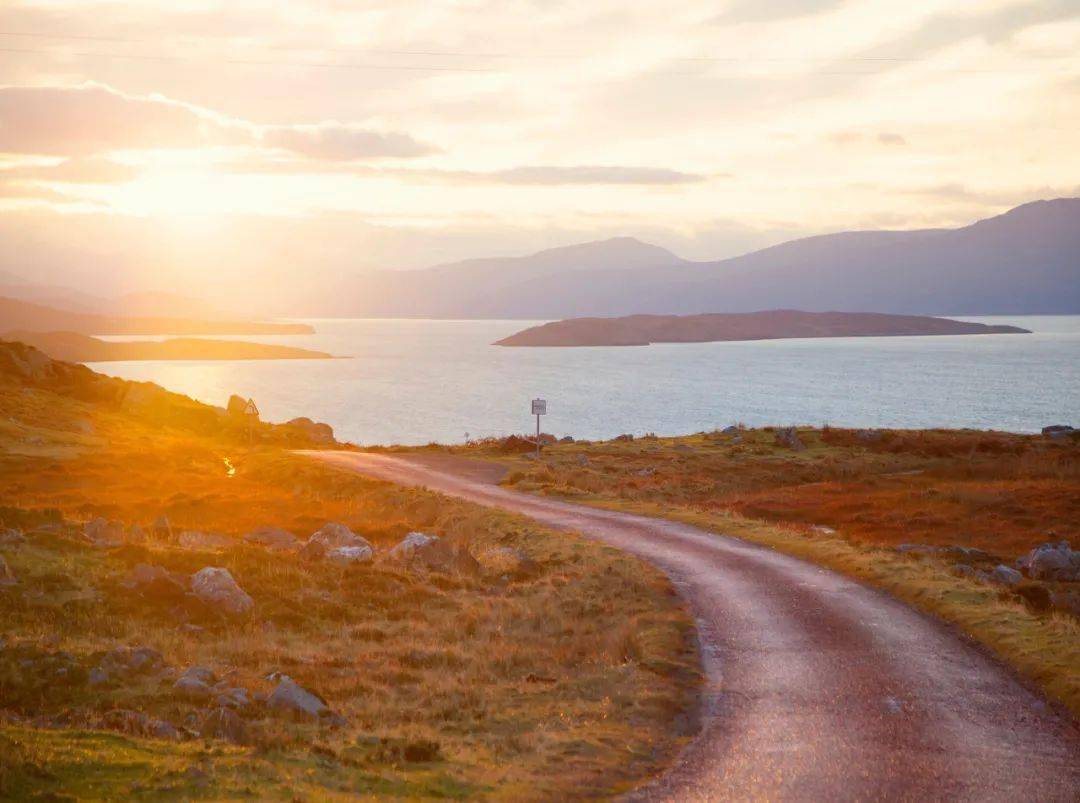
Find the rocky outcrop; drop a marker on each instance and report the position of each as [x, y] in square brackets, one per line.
[1060, 432]
[294, 699]
[314, 430]
[1005, 576]
[158, 584]
[431, 553]
[333, 535]
[104, 533]
[216, 588]
[195, 682]
[350, 554]
[221, 723]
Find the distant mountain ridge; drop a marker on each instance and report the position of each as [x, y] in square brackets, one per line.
[1024, 261]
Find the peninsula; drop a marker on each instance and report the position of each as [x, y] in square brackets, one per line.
[641, 330]
[74, 347]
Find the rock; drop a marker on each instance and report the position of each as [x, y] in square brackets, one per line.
[646, 472]
[322, 433]
[510, 562]
[964, 570]
[195, 682]
[333, 535]
[788, 437]
[624, 437]
[868, 435]
[233, 697]
[295, 699]
[97, 677]
[11, 536]
[1005, 575]
[158, 584]
[566, 439]
[1058, 431]
[216, 587]
[1052, 562]
[968, 554]
[140, 724]
[103, 533]
[409, 544]
[312, 551]
[732, 430]
[350, 554]
[821, 529]
[132, 661]
[221, 723]
[7, 577]
[195, 539]
[136, 535]
[583, 460]
[273, 538]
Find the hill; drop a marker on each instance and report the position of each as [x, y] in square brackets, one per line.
[16, 314]
[641, 330]
[1024, 261]
[74, 347]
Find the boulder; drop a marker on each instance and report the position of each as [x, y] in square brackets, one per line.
[1058, 431]
[196, 539]
[313, 551]
[221, 723]
[918, 549]
[11, 536]
[7, 577]
[1052, 562]
[422, 551]
[161, 527]
[509, 562]
[295, 699]
[128, 661]
[788, 437]
[273, 538]
[964, 570]
[139, 724]
[333, 535]
[1005, 576]
[195, 682]
[732, 430]
[566, 439]
[231, 696]
[103, 533]
[216, 588]
[316, 431]
[350, 554]
[158, 584]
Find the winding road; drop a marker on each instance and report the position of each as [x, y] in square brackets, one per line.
[817, 687]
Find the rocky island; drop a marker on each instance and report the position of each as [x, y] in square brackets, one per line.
[642, 330]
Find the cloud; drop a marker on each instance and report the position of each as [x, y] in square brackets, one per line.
[94, 118]
[961, 193]
[888, 138]
[342, 142]
[79, 170]
[857, 137]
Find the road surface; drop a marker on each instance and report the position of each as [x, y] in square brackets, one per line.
[817, 688]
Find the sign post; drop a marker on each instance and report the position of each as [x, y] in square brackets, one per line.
[539, 408]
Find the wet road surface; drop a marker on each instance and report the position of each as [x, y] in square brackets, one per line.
[817, 688]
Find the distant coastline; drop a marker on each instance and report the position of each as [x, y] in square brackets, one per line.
[74, 347]
[642, 330]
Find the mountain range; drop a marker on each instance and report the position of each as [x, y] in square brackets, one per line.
[1024, 261]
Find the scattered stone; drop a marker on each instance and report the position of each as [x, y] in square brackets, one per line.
[732, 430]
[221, 723]
[291, 697]
[822, 529]
[964, 570]
[11, 536]
[788, 437]
[918, 549]
[273, 538]
[333, 535]
[1005, 575]
[566, 439]
[195, 682]
[624, 437]
[647, 472]
[7, 577]
[216, 587]
[140, 724]
[104, 533]
[422, 551]
[345, 555]
[195, 539]
[409, 544]
[232, 696]
[127, 661]
[1052, 562]
[316, 431]
[158, 584]
[509, 562]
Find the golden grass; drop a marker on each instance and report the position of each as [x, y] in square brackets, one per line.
[579, 681]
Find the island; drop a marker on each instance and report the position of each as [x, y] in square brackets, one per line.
[642, 330]
[74, 347]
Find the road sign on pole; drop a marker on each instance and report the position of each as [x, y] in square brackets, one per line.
[539, 408]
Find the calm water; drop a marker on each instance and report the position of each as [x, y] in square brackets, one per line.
[417, 381]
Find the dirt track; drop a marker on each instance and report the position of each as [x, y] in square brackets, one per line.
[818, 688]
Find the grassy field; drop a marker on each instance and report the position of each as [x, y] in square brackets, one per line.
[576, 678]
[846, 501]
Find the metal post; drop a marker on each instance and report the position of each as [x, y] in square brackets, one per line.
[538, 436]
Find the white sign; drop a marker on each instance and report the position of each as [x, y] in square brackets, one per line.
[539, 407]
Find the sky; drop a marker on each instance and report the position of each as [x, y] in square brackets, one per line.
[189, 145]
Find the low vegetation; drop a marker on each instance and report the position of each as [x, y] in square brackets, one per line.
[925, 515]
[570, 671]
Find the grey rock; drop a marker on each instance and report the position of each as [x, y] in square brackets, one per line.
[964, 570]
[788, 437]
[1005, 575]
[1058, 431]
[647, 472]
[1052, 562]
[216, 588]
[345, 555]
[104, 533]
[408, 546]
[918, 549]
[315, 430]
[195, 682]
[566, 439]
[295, 699]
[273, 538]
[221, 723]
[334, 535]
[233, 697]
[732, 430]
